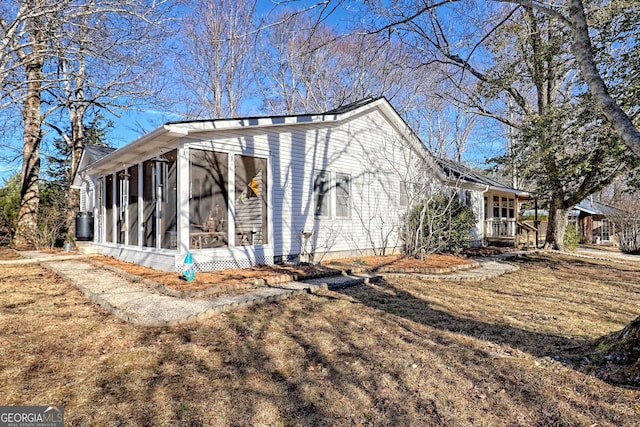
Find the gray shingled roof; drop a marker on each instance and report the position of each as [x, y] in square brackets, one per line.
[96, 152]
[457, 170]
[595, 207]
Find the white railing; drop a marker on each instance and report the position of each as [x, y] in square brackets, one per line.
[500, 228]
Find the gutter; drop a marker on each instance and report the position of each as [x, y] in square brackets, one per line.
[163, 134]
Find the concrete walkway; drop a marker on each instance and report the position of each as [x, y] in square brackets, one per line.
[488, 269]
[608, 255]
[143, 306]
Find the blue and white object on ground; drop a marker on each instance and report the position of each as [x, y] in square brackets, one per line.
[188, 270]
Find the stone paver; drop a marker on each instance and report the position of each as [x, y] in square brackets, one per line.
[37, 257]
[147, 307]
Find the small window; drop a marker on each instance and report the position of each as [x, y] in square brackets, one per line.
[468, 200]
[321, 194]
[605, 230]
[512, 211]
[343, 196]
[496, 207]
[404, 194]
[504, 207]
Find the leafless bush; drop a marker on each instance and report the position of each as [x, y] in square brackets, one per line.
[51, 228]
[627, 224]
[440, 223]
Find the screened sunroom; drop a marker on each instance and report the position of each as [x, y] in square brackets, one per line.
[158, 205]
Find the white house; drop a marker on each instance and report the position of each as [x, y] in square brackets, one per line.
[496, 205]
[247, 191]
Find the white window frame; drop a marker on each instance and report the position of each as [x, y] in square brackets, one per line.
[605, 225]
[339, 196]
[318, 212]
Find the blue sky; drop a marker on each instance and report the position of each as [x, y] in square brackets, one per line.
[132, 124]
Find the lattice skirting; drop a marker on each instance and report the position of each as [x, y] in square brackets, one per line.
[208, 263]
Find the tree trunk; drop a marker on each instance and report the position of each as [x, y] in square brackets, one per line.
[558, 220]
[583, 52]
[619, 353]
[27, 225]
[76, 147]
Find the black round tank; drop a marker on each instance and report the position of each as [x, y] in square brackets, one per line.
[84, 226]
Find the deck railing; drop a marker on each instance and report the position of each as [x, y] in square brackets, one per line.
[500, 228]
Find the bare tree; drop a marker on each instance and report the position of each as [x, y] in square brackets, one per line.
[305, 66]
[98, 68]
[583, 50]
[626, 222]
[445, 129]
[61, 54]
[524, 78]
[25, 42]
[298, 71]
[214, 61]
[572, 15]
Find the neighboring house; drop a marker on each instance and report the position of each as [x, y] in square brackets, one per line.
[496, 205]
[247, 191]
[591, 218]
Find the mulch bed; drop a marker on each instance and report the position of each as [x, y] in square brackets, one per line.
[212, 282]
[239, 279]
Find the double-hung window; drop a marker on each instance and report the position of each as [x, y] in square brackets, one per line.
[343, 196]
[324, 198]
[322, 194]
[605, 230]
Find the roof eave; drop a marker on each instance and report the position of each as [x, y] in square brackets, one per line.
[138, 148]
[487, 187]
[199, 126]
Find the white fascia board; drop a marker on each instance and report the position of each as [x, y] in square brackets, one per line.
[257, 122]
[150, 144]
[585, 210]
[77, 182]
[483, 187]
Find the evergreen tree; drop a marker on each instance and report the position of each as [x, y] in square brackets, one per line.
[60, 173]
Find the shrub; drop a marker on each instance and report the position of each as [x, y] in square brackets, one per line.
[571, 237]
[9, 208]
[628, 233]
[438, 224]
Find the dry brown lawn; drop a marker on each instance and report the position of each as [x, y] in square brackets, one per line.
[399, 352]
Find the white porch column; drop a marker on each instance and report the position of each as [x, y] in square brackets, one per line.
[184, 192]
[231, 194]
[140, 204]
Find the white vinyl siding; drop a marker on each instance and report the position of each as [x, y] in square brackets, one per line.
[365, 150]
